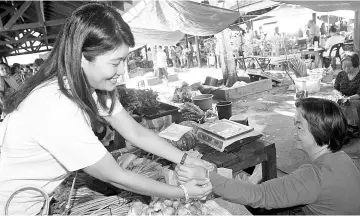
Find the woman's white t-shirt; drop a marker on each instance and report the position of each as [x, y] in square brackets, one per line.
[47, 137]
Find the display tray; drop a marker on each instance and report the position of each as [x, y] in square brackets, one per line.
[164, 109]
[226, 129]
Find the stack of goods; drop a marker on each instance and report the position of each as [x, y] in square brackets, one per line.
[176, 207]
[191, 112]
[188, 140]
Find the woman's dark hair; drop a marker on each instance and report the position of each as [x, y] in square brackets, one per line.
[91, 30]
[353, 57]
[326, 121]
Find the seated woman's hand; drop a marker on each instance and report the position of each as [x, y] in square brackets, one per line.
[198, 189]
[186, 173]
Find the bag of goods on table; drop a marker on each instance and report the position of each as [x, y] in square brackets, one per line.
[176, 207]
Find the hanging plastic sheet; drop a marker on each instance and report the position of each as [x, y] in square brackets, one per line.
[176, 15]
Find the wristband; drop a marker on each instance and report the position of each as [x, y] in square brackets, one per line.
[185, 193]
[183, 158]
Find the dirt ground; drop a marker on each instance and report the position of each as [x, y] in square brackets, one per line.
[270, 112]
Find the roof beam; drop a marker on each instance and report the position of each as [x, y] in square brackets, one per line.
[8, 10]
[22, 40]
[18, 13]
[41, 17]
[34, 25]
[23, 53]
[6, 36]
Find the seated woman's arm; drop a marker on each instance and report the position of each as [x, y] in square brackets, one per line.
[298, 188]
[337, 82]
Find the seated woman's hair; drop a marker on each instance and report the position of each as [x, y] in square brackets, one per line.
[326, 121]
[353, 57]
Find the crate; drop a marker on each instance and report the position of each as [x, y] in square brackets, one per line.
[241, 91]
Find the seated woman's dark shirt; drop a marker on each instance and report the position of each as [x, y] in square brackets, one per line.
[345, 86]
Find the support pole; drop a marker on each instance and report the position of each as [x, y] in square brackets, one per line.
[197, 51]
[357, 31]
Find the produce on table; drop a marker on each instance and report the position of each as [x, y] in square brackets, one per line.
[139, 101]
[188, 140]
[182, 94]
[191, 112]
[176, 207]
[143, 166]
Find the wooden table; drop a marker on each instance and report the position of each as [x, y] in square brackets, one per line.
[262, 61]
[244, 155]
[233, 208]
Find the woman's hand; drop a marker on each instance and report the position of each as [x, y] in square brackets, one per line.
[198, 189]
[195, 161]
[186, 173]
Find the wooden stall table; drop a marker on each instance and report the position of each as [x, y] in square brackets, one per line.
[240, 156]
[233, 208]
[262, 61]
[316, 53]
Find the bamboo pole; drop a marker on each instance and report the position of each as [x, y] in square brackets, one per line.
[197, 51]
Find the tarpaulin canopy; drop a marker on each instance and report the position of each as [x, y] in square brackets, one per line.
[166, 22]
[286, 10]
[326, 5]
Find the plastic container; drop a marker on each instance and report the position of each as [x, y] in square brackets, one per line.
[224, 109]
[204, 101]
[312, 84]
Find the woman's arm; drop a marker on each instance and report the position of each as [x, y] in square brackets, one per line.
[145, 139]
[337, 82]
[109, 171]
[298, 188]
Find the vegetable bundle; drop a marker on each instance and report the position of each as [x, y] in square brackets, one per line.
[161, 207]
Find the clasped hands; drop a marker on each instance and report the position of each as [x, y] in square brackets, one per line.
[193, 175]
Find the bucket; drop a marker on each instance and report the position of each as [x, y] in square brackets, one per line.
[203, 101]
[224, 109]
[207, 80]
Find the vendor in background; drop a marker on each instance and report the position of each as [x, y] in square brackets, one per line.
[334, 38]
[173, 57]
[275, 39]
[162, 64]
[329, 185]
[8, 84]
[16, 72]
[314, 32]
[323, 31]
[47, 133]
[37, 64]
[347, 82]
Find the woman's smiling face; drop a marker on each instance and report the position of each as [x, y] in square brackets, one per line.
[102, 73]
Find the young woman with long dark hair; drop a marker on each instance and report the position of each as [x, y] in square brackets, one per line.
[47, 132]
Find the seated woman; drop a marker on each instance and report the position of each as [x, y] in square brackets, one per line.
[328, 185]
[347, 81]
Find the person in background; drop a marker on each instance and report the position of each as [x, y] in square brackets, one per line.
[323, 31]
[300, 33]
[47, 133]
[179, 54]
[7, 83]
[217, 54]
[154, 58]
[184, 56]
[314, 32]
[347, 82]
[329, 185]
[275, 42]
[37, 63]
[17, 73]
[27, 73]
[334, 38]
[173, 56]
[150, 57]
[162, 64]
[190, 57]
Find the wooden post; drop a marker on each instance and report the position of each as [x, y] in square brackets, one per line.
[197, 51]
[186, 40]
[356, 31]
